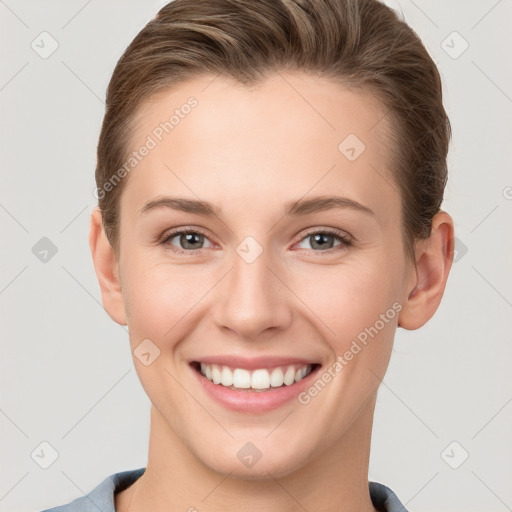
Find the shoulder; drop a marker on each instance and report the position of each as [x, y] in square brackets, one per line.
[384, 499]
[102, 496]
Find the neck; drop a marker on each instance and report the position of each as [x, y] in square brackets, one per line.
[336, 480]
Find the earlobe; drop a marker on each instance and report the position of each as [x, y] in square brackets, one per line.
[107, 270]
[433, 262]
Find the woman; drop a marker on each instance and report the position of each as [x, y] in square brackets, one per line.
[270, 176]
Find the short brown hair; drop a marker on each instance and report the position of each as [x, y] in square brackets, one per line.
[361, 43]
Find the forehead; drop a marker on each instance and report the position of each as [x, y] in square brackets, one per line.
[288, 136]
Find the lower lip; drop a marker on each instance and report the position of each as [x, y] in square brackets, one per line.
[254, 401]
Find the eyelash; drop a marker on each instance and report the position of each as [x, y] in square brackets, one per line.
[344, 240]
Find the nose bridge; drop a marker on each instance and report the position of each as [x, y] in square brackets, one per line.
[251, 276]
[252, 296]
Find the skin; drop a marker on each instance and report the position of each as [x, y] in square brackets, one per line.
[249, 151]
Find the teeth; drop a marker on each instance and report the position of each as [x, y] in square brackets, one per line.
[216, 376]
[260, 379]
[289, 376]
[227, 376]
[276, 378]
[300, 374]
[240, 378]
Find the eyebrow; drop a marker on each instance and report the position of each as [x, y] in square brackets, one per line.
[293, 208]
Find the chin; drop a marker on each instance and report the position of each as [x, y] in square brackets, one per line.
[244, 461]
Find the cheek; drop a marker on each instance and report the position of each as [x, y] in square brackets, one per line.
[160, 298]
[356, 308]
[168, 304]
[348, 298]
[162, 301]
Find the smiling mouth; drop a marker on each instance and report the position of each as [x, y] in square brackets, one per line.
[261, 379]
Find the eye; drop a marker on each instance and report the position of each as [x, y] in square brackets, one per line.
[190, 239]
[322, 241]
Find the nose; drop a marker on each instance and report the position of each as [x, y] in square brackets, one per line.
[253, 299]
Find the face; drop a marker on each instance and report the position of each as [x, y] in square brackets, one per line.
[297, 260]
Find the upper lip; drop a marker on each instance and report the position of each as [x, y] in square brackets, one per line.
[253, 363]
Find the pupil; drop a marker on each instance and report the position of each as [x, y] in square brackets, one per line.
[318, 238]
[189, 239]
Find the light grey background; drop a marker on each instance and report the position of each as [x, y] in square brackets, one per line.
[67, 376]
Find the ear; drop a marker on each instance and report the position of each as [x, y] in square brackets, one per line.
[433, 261]
[107, 269]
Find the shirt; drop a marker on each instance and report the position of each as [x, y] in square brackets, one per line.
[101, 498]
